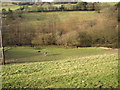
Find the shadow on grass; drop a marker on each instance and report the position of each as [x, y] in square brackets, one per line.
[53, 54]
[29, 61]
[45, 59]
[28, 54]
[18, 55]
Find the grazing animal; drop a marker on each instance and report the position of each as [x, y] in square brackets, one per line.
[18, 44]
[79, 46]
[38, 51]
[45, 53]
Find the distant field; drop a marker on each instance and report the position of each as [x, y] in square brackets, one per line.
[60, 68]
[111, 3]
[78, 17]
[58, 5]
[12, 7]
[36, 18]
[20, 54]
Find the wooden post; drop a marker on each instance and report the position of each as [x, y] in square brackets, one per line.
[1, 39]
[3, 56]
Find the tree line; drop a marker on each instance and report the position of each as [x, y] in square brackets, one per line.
[46, 7]
[81, 6]
[51, 30]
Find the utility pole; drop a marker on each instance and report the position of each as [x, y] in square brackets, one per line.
[1, 37]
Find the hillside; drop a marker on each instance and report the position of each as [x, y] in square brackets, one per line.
[77, 70]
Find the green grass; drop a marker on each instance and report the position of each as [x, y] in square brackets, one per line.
[63, 17]
[38, 18]
[24, 54]
[110, 3]
[61, 68]
[84, 15]
[58, 5]
[12, 7]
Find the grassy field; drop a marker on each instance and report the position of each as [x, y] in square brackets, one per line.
[19, 54]
[12, 7]
[60, 68]
[84, 15]
[62, 17]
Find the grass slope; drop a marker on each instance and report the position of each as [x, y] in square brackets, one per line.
[12, 7]
[81, 15]
[74, 68]
[29, 54]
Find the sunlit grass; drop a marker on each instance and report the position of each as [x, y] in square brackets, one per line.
[28, 54]
[12, 7]
[80, 68]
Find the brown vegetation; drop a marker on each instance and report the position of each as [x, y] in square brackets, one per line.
[52, 30]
